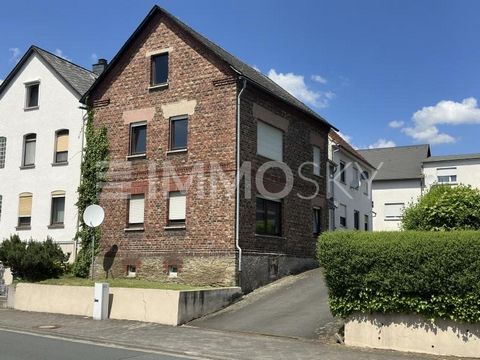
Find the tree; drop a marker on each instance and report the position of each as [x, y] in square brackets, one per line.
[444, 208]
[94, 168]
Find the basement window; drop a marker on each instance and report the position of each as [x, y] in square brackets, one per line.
[172, 271]
[131, 271]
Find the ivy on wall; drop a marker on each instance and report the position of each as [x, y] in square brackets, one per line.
[93, 174]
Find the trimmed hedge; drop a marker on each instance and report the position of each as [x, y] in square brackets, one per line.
[436, 274]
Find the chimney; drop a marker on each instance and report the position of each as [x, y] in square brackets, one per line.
[99, 67]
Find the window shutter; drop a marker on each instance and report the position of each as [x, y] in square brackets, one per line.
[316, 160]
[62, 142]
[3, 149]
[177, 206]
[394, 210]
[25, 207]
[447, 171]
[136, 213]
[269, 141]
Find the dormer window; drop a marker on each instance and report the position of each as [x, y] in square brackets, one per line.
[32, 91]
[160, 69]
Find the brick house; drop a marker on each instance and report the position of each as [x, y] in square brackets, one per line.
[173, 103]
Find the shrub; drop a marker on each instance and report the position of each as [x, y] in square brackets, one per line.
[445, 208]
[435, 274]
[33, 261]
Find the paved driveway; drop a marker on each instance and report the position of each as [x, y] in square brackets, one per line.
[296, 306]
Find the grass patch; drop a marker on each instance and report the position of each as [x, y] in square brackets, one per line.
[121, 282]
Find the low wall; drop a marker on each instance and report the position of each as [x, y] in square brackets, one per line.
[169, 307]
[413, 333]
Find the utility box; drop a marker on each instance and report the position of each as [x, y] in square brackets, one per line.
[100, 301]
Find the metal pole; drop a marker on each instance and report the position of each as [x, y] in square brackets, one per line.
[93, 252]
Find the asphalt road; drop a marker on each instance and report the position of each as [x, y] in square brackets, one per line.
[18, 346]
[296, 306]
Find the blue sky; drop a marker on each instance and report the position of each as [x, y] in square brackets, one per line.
[383, 72]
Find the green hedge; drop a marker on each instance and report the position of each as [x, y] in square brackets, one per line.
[436, 274]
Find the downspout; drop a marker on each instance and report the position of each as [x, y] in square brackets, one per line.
[334, 227]
[237, 180]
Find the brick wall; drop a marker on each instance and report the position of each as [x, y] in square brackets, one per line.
[296, 241]
[211, 136]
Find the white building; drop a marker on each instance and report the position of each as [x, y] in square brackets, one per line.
[452, 170]
[349, 186]
[399, 180]
[41, 137]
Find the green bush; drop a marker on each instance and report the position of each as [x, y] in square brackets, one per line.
[32, 260]
[444, 208]
[436, 274]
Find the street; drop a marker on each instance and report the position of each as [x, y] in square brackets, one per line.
[20, 346]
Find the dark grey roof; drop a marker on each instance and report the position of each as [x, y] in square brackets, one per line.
[452, 157]
[396, 163]
[242, 68]
[78, 78]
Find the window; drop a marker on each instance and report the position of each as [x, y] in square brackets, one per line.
[3, 151]
[25, 210]
[365, 176]
[32, 96]
[269, 141]
[178, 133]
[316, 161]
[268, 218]
[131, 271]
[366, 223]
[29, 145]
[356, 219]
[393, 211]
[136, 210]
[172, 271]
[356, 179]
[61, 147]
[447, 175]
[138, 139]
[343, 215]
[177, 204]
[342, 172]
[58, 208]
[160, 69]
[317, 221]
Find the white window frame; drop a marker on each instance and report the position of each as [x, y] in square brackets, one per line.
[177, 217]
[317, 161]
[270, 149]
[343, 211]
[388, 216]
[136, 211]
[447, 172]
[28, 87]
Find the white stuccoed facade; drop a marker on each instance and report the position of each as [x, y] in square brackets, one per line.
[346, 193]
[58, 109]
[466, 170]
[392, 192]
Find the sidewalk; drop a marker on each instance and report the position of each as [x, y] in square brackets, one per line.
[190, 341]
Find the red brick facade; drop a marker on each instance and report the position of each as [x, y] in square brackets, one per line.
[204, 252]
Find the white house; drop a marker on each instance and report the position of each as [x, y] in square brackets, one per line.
[399, 180]
[41, 137]
[349, 186]
[452, 170]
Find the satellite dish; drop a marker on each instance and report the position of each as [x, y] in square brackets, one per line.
[93, 215]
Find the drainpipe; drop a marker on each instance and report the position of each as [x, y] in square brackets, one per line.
[237, 181]
[333, 188]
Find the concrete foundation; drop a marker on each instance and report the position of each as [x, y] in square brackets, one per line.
[261, 269]
[413, 333]
[167, 307]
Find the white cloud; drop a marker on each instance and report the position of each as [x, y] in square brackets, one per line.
[396, 124]
[382, 143]
[15, 57]
[60, 53]
[446, 112]
[319, 79]
[295, 85]
[94, 58]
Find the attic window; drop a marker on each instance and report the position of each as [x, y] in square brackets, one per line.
[160, 69]
[31, 101]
